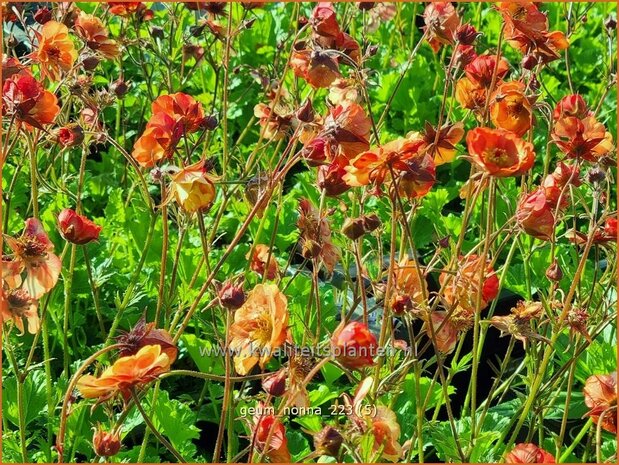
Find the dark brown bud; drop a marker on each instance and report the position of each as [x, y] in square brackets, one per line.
[353, 228]
[366, 5]
[231, 296]
[401, 304]
[90, 63]
[444, 242]
[529, 62]
[210, 122]
[157, 32]
[372, 50]
[196, 31]
[248, 24]
[105, 444]
[156, 174]
[302, 21]
[119, 87]
[610, 23]
[311, 249]
[275, 384]
[466, 34]
[371, 222]
[306, 112]
[554, 273]
[328, 441]
[596, 175]
[42, 15]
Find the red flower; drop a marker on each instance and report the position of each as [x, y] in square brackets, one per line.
[277, 447]
[582, 138]
[535, 215]
[25, 98]
[481, 70]
[349, 128]
[331, 177]
[529, 453]
[77, 229]
[499, 152]
[441, 22]
[323, 20]
[601, 398]
[32, 254]
[571, 105]
[354, 345]
[70, 135]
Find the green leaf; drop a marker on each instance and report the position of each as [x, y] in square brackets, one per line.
[34, 397]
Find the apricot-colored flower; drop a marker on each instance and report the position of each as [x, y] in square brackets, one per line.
[481, 70]
[260, 327]
[582, 138]
[192, 188]
[510, 109]
[441, 22]
[91, 29]
[349, 127]
[601, 398]
[276, 123]
[529, 453]
[342, 91]
[442, 147]
[410, 281]
[77, 229]
[32, 254]
[145, 334]
[571, 105]
[535, 215]
[445, 333]
[375, 166]
[354, 345]
[470, 95]
[266, 425]
[25, 98]
[124, 8]
[263, 261]
[17, 304]
[499, 152]
[55, 51]
[125, 374]
[386, 432]
[318, 68]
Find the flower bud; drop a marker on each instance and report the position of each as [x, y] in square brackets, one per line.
[596, 175]
[366, 5]
[248, 24]
[196, 31]
[70, 136]
[314, 152]
[354, 345]
[157, 32]
[372, 50]
[77, 229]
[610, 23]
[353, 228]
[554, 273]
[231, 296]
[444, 242]
[210, 122]
[119, 87]
[42, 15]
[90, 63]
[306, 112]
[105, 444]
[401, 303]
[371, 222]
[275, 384]
[529, 62]
[466, 34]
[328, 441]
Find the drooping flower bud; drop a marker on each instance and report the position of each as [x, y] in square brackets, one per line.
[275, 384]
[231, 296]
[70, 135]
[353, 228]
[466, 34]
[42, 15]
[328, 441]
[554, 273]
[105, 444]
[77, 229]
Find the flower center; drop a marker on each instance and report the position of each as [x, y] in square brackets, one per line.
[31, 247]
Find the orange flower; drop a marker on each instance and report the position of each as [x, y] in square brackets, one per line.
[91, 29]
[582, 138]
[469, 95]
[192, 188]
[277, 448]
[55, 51]
[318, 68]
[445, 334]
[348, 127]
[32, 254]
[535, 215]
[410, 282]
[124, 8]
[510, 109]
[354, 345]
[277, 123]
[186, 112]
[481, 70]
[263, 261]
[529, 453]
[443, 147]
[499, 152]
[260, 327]
[571, 105]
[601, 398]
[386, 432]
[441, 22]
[374, 166]
[25, 98]
[125, 374]
[15, 305]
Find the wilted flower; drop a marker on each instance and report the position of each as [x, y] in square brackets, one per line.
[445, 334]
[348, 128]
[342, 91]
[268, 428]
[276, 121]
[91, 29]
[510, 109]
[466, 34]
[260, 327]
[499, 152]
[442, 146]
[601, 398]
[354, 345]
[409, 281]
[25, 98]
[32, 254]
[192, 188]
[481, 70]
[535, 215]
[146, 334]
[17, 304]
[529, 453]
[441, 23]
[331, 177]
[125, 374]
[55, 51]
[77, 229]
[263, 261]
[104, 443]
[315, 228]
[328, 441]
[517, 323]
[70, 135]
[318, 68]
[469, 95]
[582, 138]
